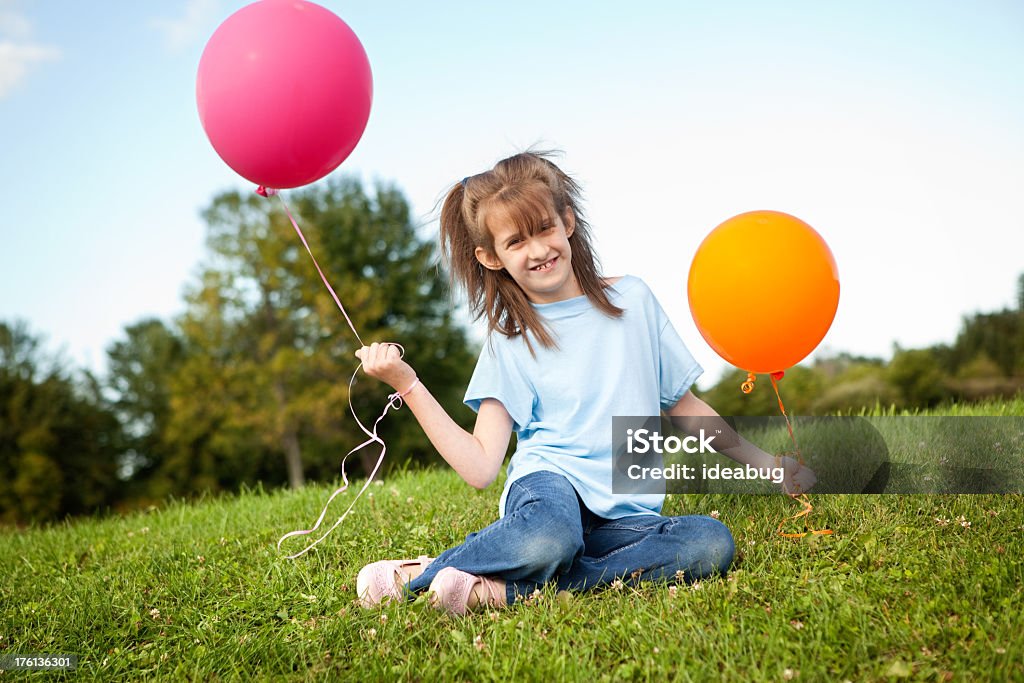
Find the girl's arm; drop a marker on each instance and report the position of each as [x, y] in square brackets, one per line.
[476, 457]
[798, 478]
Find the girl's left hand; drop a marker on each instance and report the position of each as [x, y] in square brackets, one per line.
[796, 478]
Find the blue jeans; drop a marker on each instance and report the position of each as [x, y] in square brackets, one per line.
[549, 535]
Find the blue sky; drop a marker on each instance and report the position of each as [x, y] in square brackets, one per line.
[895, 129]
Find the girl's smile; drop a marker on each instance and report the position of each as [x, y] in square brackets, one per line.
[545, 266]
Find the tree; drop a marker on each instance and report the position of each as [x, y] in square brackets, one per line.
[852, 382]
[142, 367]
[59, 439]
[999, 336]
[371, 245]
[1020, 293]
[262, 392]
[918, 377]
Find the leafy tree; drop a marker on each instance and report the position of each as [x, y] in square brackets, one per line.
[852, 393]
[59, 440]
[979, 367]
[1020, 294]
[997, 335]
[262, 391]
[852, 382]
[141, 369]
[918, 377]
[372, 246]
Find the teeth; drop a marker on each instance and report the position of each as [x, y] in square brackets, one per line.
[544, 266]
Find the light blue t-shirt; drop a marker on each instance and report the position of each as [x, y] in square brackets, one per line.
[562, 402]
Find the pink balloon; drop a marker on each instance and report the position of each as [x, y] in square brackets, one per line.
[284, 92]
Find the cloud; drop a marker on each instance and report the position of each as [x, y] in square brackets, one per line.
[179, 33]
[18, 52]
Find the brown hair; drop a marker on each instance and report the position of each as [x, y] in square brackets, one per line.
[526, 186]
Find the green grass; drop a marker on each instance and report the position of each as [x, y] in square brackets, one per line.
[904, 589]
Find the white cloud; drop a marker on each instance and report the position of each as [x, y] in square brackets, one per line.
[178, 33]
[18, 52]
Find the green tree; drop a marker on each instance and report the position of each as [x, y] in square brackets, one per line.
[996, 335]
[141, 369]
[852, 382]
[262, 392]
[59, 439]
[1018, 368]
[373, 248]
[918, 377]
[1020, 293]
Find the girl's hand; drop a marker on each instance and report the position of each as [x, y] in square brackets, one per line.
[797, 478]
[384, 361]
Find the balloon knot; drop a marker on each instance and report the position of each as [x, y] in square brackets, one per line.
[748, 386]
[265, 191]
[778, 375]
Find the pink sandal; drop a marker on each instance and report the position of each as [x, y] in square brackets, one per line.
[382, 581]
[451, 590]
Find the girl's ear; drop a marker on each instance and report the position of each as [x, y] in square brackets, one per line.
[487, 259]
[569, 222]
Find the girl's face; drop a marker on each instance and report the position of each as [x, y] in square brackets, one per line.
[541, 263]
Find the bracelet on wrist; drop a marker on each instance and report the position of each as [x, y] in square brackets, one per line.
[402, 394]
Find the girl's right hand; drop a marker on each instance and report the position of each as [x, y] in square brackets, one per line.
[384, 362]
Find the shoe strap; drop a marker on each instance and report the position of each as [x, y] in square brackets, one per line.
[495, 598]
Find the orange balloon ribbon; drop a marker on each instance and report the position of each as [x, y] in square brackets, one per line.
[802, 498]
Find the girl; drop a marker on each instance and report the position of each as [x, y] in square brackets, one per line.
[567, 350]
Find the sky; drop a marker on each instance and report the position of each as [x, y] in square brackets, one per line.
[896, 130]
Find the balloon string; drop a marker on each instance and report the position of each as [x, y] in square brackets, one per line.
[775, 376]
[264, 191]
[801, 498]
[395, 401]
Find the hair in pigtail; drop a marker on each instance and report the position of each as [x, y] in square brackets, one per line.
[526, 186]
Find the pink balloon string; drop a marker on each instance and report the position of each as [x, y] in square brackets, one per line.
[265, 192]
[394, 402]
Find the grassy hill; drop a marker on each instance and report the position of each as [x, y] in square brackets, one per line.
[921, 587]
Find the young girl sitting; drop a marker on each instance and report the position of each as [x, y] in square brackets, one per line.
[567, 350]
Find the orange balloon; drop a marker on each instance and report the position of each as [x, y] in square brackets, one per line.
[763, 290]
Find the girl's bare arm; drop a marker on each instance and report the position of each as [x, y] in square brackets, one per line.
[476, 457]
[798, 478]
